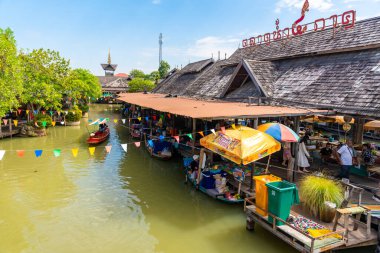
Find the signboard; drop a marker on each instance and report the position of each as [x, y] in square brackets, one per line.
[346, 20]
[346, 127]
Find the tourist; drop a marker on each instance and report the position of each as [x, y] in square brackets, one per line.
[194, 165]
[367, 157]
[326, 153]
[303, 155]
[287, 154]
[345, 156]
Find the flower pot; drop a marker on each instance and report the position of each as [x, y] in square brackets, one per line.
[85, 115]
[327, 215]
[74, 123]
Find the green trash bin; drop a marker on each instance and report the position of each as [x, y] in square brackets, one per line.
[281, 196]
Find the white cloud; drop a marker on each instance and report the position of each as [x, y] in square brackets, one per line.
[156, 1]
[205, 47]
[320, 5]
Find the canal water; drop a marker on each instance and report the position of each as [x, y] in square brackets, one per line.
[116, 202]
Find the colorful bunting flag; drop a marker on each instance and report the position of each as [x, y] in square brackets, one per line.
[57, 152]
[19, 111]
[38, 152]
[201, 133]
[108, 148]
[123, 120]
[53, 123]
[36, 124]
[51, 113]
[154, 117]
[169, 115]
[74, 151]
[151, 144]
[115, 121]
[20, 153]
[15, 121]
[59, 113]
[92, 150]
[176, 138]
[124, 146]
[137, 144]
[213, 131]
[146, 118]
[139, 118]
[2, 153]
[5, 121]
[43, 112]
[66, 112]
[27, 111]
[35, 111]
[223, 129]
[62, 122]
[190, 136]
[162, 137]
[233, 126]
[44, 123]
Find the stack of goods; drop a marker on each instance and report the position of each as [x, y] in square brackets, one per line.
[220, 183]
[310, 227]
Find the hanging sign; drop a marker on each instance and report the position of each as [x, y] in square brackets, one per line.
[346, 20]
[346, 127]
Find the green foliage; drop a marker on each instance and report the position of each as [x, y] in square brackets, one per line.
[140, 84]
[74, 114]
[80, 85]
[135, 73]
[315, 191]
[154, 76]
[10, 72]
[41, 117]
[163, 69]
[84, 107]
[44, 72]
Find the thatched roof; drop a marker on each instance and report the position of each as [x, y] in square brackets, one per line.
[114, 83]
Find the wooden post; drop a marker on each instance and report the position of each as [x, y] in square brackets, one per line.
[296, 129]
[201, 157]
[193, 133]
[267, 168]
[358, 131]
[255, 123]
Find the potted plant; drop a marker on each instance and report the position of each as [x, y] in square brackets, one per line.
[319, 195]
[84, 108]
[73, 117]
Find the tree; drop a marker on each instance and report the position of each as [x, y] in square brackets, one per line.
[45, 73]
[163, 69]
[140, 84]
[80, 85]
[135, 73]
[154, 76]
[10, 72]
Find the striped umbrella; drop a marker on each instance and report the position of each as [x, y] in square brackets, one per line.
[279, 131]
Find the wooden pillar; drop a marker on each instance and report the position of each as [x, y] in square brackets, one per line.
[255, 123]
[194, 133]
[290, 173]
[358, 130]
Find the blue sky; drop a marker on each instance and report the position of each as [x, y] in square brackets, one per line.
[83, 30]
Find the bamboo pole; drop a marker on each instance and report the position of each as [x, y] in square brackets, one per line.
[267, 168]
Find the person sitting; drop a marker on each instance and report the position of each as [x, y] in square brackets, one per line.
[194, 165]
[367, 158]
[326, 153]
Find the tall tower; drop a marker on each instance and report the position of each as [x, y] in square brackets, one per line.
[160, 50]
[109, 68]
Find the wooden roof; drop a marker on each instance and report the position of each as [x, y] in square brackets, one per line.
[202, 109]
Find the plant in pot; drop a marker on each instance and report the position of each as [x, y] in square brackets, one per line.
[319, 195]
[73, 116]
[84, 108]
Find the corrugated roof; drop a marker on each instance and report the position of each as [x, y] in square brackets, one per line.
[211, 109]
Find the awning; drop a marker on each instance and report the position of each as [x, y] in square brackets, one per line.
[201, 109]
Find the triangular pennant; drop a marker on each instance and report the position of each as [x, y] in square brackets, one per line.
[57, 152]
[66, 112]
[107, 119]
[154, 117]
[162, 137]
[74, 151]
[62, 122]
[36, 124]
[123, 120]
[150, 143]
[146, 118]
[125, 147]
[137, 144]
[2, 153]
[5, 121]
[38, 152]
[15, 121]
[213, 131]
[223, 130]
[115, 120]
[43, 112]
[169, 115]
[53, 123]
[59, 113]
[35, 111]
[139, 118]
[201, 133]
[176, 138]
[27, 111]
[233, 126]
[20, 153]
[44, 123]
[190, 136]
[92, 150]
[108, 148]
[51, 113]
[19, 111]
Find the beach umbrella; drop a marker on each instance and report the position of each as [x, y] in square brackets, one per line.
[279, 131]
[242, 145]
[372, 125]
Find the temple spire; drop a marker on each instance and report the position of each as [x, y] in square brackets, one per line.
[109, 56]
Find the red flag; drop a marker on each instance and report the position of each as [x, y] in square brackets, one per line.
[43, 112]
[19, 111]
[169, 115]
[20, 153]
[108, 148]
[154, 117]
[137, 144]
[5, 121]
[176, 138]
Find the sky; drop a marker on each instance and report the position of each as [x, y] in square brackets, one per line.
[84, 30]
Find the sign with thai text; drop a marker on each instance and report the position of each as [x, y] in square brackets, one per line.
[345, 20]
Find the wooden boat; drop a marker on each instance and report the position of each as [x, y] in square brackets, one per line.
[213, 193]
[99, 136]
[164, 151]
[136, 131]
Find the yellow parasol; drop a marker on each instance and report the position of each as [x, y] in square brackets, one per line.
[242, 145]
[372, 125]
[328, 119]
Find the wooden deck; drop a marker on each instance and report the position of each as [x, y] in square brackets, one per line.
[7, 133]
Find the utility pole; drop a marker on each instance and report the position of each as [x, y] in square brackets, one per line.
[160, 50]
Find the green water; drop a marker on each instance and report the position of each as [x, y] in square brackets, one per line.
[117, 202]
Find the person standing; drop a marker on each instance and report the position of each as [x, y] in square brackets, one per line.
[303, 154]
[345, 156]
